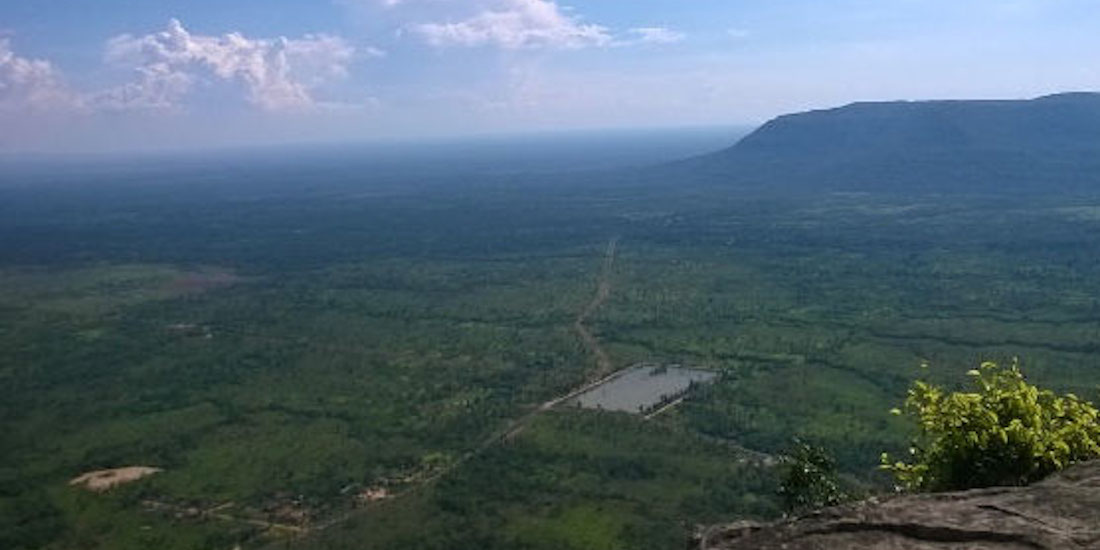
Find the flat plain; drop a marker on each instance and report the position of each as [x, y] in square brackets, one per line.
[318, 359]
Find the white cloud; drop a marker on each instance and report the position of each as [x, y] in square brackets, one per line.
[31, 84]
[656, 35]
[517, 24]
[276, 74]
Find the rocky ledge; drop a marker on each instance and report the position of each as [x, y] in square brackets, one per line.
[1059, 513]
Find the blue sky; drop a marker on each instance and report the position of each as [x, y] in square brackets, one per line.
[77, 75]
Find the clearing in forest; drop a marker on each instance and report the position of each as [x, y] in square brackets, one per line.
[102, 480]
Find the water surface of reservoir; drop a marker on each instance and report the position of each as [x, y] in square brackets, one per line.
[641, 388]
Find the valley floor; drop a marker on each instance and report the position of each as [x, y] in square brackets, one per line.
[326, 368]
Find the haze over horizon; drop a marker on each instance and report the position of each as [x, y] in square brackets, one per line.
[125, 75]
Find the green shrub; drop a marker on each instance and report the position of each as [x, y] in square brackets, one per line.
[1007, 432]
[809, 479]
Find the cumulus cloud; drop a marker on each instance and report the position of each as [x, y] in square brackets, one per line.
[31, 84]
[517, 24]
[275, 74]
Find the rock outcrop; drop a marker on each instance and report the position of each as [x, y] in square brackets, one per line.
[1060, 513]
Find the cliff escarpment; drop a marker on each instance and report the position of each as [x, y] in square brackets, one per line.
[1035, 145]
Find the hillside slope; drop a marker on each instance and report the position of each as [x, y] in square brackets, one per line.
[1052, 142]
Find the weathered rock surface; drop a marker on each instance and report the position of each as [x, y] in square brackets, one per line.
[1060, 513]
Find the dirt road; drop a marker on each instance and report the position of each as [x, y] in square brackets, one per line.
[603, 291]
[605, 369]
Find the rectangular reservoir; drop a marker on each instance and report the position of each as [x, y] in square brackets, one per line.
[642, 388]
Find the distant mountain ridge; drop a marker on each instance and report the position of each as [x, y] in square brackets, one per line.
[1049, 142]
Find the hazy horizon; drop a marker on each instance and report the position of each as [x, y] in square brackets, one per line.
[126, 76]
[546, 151]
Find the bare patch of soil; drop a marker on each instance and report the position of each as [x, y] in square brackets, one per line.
[102, 480]
[373, 494]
